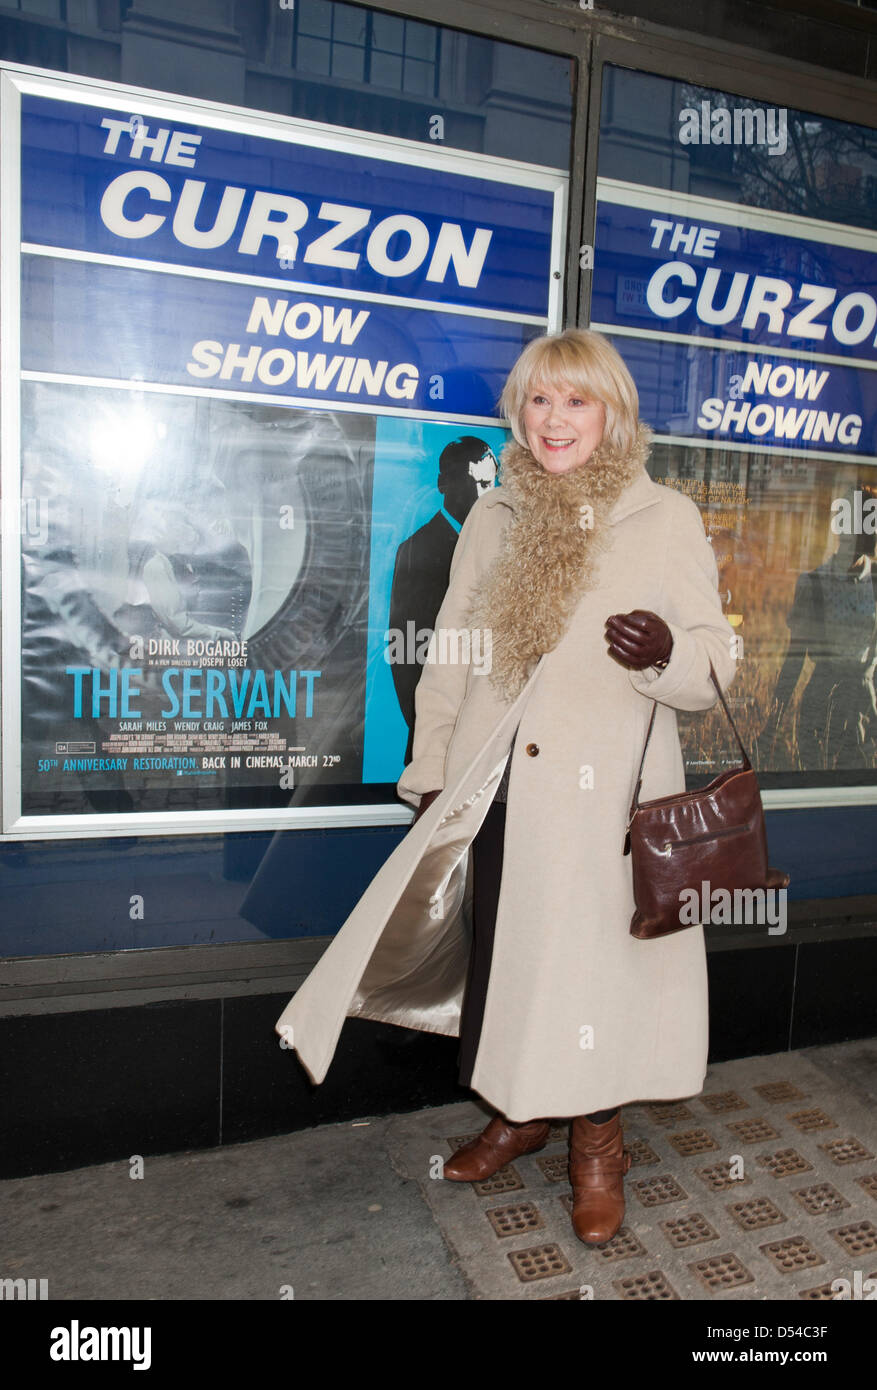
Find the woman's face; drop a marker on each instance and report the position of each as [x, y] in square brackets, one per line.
[562, 428]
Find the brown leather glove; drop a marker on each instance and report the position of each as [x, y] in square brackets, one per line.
[426, 801]
[639, 638]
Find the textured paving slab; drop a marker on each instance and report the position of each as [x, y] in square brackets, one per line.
[799, 1211]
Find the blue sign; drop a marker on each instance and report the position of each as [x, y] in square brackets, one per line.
[750, 398]
[680, 285]
[117, 323]
[173, 192]
[716, 280]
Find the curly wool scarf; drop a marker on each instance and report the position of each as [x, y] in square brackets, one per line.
[549, 553]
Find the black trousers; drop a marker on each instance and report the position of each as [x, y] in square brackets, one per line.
[487, 852]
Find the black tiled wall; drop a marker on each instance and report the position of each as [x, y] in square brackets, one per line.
[82, 1088]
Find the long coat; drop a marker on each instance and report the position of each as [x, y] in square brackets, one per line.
[579, 1015]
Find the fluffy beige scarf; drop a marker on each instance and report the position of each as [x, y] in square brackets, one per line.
[549, 555]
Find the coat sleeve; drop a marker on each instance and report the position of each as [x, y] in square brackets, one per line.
[442, 686]
[692, 609]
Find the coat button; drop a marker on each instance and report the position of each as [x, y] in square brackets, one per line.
[533, 750]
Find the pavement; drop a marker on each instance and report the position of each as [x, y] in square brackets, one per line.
[763, 1187]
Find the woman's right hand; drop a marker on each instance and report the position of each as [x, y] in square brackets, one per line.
[426, 801]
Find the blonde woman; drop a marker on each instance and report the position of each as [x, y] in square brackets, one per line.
[503, 916]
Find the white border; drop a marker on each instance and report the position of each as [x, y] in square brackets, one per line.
[260, 397]
[433, 306]
[15, 79]
[641, 195]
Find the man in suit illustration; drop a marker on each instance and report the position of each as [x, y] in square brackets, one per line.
[467, 467]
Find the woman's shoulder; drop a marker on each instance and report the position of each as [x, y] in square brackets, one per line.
[495, 497]
[490, 508]
[678, 505]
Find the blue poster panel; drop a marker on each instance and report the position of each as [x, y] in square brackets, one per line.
[679, 284]
[259, 372]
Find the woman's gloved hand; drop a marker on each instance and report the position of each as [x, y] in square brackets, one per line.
[426, 801]
[639, 638]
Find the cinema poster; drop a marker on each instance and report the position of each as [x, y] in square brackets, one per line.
[249, 395]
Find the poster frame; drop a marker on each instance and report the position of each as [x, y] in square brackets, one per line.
[17, 80]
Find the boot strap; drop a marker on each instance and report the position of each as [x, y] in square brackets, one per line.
[608, 1165]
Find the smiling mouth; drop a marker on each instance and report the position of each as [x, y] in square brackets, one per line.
[557, 444]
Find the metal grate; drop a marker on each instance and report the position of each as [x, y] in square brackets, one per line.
[557, 1133]
[808, 1120]
[869, 1182]
[790, 1255]
[858, 1239]
[757, 1212]
[516, 1219]
[784, 1162]
[623, 1246]
[823, 1293]
[554, 1169]
[692, 1141]
[641, 1152]
[846, 1151]
[652, 1287]
[667, 1112]
[688, 1230]
[508, 1179]
[778, 1090]
[654, 1192]
[722, 1272]
[459, 1140]
[753, 1131]
[723, 1101]
[718, 1177]
[539, 1262]
[820, 1198]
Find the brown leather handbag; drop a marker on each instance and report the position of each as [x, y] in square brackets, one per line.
[676, 843]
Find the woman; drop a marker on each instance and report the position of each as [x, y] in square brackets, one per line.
[594, 591]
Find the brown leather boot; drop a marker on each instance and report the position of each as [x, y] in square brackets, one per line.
[597, 1164]
[502, 1141]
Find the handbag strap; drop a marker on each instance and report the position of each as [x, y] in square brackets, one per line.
[746, 763]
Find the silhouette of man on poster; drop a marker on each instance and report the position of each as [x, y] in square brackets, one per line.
[467, 467]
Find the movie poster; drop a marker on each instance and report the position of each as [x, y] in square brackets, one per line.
[259, 364]
[195, 623]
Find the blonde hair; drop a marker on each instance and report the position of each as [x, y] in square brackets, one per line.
[591, 365]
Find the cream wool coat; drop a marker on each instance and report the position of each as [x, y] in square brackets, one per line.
[579, 1015]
